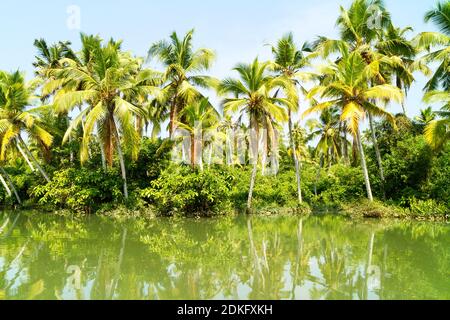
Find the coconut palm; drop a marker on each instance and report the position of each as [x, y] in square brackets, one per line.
[437, 132]
[253, 96]
[326, 129]
[182, 76]
[15, 97]
[198, 117]
[105, 81]
[426, 116]
[346, 85]
[50, 57]
[382, 42]
[440, 16]
[288, 63]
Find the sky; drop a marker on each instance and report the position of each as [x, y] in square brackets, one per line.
[238, 30]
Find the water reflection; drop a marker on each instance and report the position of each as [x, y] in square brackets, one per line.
[48, 257]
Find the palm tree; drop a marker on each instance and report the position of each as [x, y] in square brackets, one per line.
[383, 43]
[15, 96]
[182, 76]
[426, 116]
[198, 117]
[440, 16]
[437, 132]
[393, 43]
[49, 58]
[288, 61]
[253, 96]
[346, 85]
[104, 84]
[327, 130]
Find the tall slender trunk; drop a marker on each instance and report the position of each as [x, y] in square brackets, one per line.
[173, 117]
[404, 109]
[193, 159]
[36, 163]
[378, 155]
[255, 146]
[24, 155]
[102, 153]
[13, 188]
[318, 174]
[71, 156]
[5, 185]
[296, 162]
[329, 156]
[345, 142]
[121, 159]
[364, 166]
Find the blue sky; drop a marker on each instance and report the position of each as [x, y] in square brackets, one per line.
[237, 30]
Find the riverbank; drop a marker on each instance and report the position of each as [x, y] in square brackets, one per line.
[355, 210]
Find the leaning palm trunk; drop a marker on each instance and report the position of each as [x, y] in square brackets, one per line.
[5, 185]
[11, 184]
[36, 163]
[364, 166]
[121, 160]
[24, 155]
[378, 154]
[296, 162]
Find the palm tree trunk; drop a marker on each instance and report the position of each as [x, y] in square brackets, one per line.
[8, 178]
[296, 162]
[5, 185]
[173, 117]
[102, 154]
[329, 158]
[378, 155]
[24, 155]
[121, 159]
[364, 166]
[193, 160]
[71, 156]
[318, 174]
[36, 163]
[255, 146]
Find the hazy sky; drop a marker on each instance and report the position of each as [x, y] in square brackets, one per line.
[237, 30]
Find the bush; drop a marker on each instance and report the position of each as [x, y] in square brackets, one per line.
[439, 183]
[80, 189]
[340, 184]
[430, 207]
[182, 190]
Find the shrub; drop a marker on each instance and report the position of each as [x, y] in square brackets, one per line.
[340, 184]
[430, 207]
[182, 190]
[80, 189]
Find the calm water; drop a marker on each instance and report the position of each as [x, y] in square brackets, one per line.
[48, 257]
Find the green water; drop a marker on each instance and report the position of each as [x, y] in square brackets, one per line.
[49, 257]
